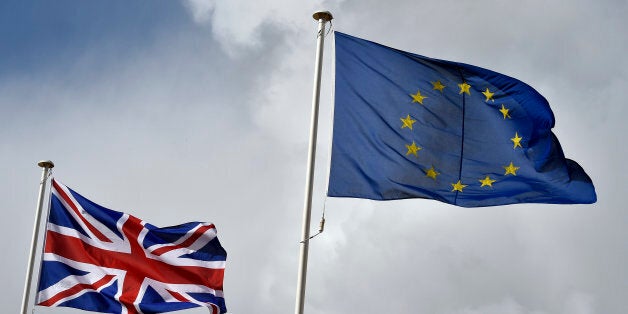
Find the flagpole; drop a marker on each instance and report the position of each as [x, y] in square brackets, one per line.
[322, 17]
[46, 165]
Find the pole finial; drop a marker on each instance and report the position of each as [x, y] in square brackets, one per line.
[323, 15]
[46, 164]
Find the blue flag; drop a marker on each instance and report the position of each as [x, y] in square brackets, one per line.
[408, 126]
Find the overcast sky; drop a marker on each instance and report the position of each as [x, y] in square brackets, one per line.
[198, 110]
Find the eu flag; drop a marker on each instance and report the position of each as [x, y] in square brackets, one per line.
[408, 126]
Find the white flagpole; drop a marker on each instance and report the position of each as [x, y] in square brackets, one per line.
[46, 165]
[322, 18]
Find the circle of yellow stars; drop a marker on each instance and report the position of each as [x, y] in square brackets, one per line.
[465, 88]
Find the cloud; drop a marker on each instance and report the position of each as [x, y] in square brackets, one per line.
[239, 24]
[201, 10]
[575, 303]
[580, 303]
[506, 306]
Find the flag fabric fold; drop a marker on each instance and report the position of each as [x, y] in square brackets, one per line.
[101, 260]
[408, 126]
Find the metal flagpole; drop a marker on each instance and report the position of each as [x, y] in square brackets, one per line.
[322, 18]
[46, 165]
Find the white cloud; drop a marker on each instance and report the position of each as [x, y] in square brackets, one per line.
[239, 24]
[580, 303]
[201, 10]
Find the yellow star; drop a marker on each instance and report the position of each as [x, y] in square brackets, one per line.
[516, 140]
[489, 95]
[511, 169]
[438, 86]
[464, 88]
[407, 122]
[413, 149]
[418, 97]
[458, 186]
[431, 173]
[487, 181]
[504, 111]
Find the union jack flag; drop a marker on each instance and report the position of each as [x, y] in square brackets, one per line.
[101, 260]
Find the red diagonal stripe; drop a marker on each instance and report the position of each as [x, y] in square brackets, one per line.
[91, 228]
[76, 289]
[197, 234]
[178, 296]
